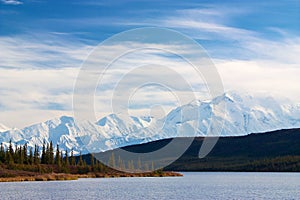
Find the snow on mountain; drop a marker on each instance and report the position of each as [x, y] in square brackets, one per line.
[238, 115]
[3, 128]
[120, 126]
[241, 115]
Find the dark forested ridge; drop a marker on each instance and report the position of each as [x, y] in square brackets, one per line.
[272, 151]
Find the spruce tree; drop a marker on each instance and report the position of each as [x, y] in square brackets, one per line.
[92, 162]
[47, 154]
[67, 159]
[20, 155]
[51, 154]
[16, 154]
[61, 157]
[10, 159]
[2, 153]
[73, 163]
[30, 159]
[43, 159]
[36, 157]
[57, 156]
[80, 162]
[10, 148]
[25, 153]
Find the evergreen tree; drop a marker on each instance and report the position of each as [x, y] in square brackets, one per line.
[30, 159]
[47, 154]
[92, 162]
[16, 155]
[80, 162]
[10, 148]
[67, 159]
[51, 154]
[61, 157]
[20, 155]
[10, 159]
[43, 159]
[25, 153]
[2, 153]
[36, 156]
[73, 163]
[57, 156]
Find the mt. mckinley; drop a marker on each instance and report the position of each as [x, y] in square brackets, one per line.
[243, 115]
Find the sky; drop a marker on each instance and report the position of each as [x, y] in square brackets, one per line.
[255, 46]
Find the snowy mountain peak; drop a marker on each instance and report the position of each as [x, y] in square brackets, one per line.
[109, 119]
[240, 114]
[3, 128]
[195, 103]
[60, 120]
[230, 97]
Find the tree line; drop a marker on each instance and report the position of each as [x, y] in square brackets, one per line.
[22, 157]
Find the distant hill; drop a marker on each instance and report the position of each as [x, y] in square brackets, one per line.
[272, 151]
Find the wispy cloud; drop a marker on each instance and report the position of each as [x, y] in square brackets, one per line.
[37, 74]
[36, 91]
[261, 76]
[48, 51]
[11, 2]
[208, 30]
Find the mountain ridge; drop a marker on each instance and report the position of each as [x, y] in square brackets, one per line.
[243, 115]
[276, 151]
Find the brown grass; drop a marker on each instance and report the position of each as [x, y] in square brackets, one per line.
[7, 175]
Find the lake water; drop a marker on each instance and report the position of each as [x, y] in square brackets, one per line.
[193, 185]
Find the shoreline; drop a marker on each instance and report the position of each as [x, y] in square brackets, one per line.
[68, 177]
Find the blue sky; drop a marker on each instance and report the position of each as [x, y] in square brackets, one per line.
[254, 45]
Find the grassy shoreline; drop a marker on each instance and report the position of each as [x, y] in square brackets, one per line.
[68, 177]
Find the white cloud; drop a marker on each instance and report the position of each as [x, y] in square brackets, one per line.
[25, 117]
[285, 51]
[40, 93]
[259, 76]
[11, 2]
[46, 51]
[207, 30]
[31, 84]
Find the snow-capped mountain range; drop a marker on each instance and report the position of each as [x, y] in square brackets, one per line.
[236, 114]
